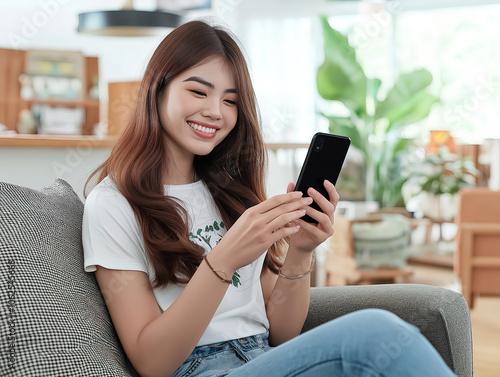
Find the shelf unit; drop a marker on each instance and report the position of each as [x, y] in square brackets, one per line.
[12, 65]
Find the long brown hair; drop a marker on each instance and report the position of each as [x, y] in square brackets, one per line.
[234, 171]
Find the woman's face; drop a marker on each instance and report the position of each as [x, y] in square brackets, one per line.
[198, 109]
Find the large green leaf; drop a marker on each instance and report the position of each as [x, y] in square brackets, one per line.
[414, 110]
[407, 86]
[333, 84]
[345, 127]
[341, 73]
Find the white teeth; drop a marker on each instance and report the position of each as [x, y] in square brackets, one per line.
[206, 130]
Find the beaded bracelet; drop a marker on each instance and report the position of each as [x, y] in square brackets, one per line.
[301, 275]
[216, 271]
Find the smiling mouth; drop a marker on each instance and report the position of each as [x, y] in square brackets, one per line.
[197, 127]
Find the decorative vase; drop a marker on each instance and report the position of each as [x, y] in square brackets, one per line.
[442, 207]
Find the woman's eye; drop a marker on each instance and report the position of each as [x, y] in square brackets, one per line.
[230, 101]
[197, 92]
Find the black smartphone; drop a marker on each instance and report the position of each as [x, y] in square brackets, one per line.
[324, 160]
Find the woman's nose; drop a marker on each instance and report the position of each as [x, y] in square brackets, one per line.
[212, 109]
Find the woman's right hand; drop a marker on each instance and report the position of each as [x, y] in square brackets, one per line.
[257, 229]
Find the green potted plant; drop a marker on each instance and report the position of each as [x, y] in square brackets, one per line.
[432, 182]
[374, 123]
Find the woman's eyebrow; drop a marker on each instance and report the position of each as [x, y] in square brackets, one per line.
[206, 83]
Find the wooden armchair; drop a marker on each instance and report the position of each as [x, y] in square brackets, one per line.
[477, 257]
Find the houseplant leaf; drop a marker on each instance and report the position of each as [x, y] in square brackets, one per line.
[407, 86]
[332, 82]
[414, 110]
[341, 74]
[345, 127]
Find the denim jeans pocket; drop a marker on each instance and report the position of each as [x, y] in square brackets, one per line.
[217, 360]
[188, 367]
[215, 365]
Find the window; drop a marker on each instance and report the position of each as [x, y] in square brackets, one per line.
[463, 57]
[456, 44]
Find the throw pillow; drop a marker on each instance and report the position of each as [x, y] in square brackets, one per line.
[53, 319]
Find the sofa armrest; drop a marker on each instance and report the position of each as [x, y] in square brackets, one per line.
[441, 315]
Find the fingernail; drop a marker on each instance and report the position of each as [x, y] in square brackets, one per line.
[312, 191]
[298, 193]
[328, 182]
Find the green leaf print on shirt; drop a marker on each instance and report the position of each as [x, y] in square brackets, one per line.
[205, 235]
[236, 279]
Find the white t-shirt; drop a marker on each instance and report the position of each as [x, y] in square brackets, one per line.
[112, 238]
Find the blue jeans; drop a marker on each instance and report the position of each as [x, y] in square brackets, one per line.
[366, 343]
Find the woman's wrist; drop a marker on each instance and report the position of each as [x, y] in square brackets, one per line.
[219, 261]
[299, 276]
[297, 264]
[221, 274]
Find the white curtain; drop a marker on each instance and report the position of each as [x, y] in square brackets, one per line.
[283, 56]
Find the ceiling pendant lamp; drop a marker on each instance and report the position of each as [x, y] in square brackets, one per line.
[127, 22]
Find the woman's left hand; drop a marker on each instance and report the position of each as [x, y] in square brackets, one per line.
[312, 235]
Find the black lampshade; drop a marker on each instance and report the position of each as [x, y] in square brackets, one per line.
[127, 22]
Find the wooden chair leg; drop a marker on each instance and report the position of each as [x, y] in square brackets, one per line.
[466, 266]
[467, 295]
[428, 233]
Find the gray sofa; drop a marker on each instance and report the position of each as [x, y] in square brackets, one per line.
[54, 322]
[441, 315]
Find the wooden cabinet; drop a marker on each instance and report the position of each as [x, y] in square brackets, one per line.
[12, 65]
[122, 97]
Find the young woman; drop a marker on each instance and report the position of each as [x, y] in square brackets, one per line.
[188, 252]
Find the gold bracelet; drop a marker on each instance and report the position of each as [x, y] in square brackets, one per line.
[301, 275]
[216, 271]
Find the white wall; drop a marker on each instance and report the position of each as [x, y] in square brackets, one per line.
[38, 167]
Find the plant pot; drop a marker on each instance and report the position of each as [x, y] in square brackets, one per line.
[443, 207]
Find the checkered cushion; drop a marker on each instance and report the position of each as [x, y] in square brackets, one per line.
[53, 319]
